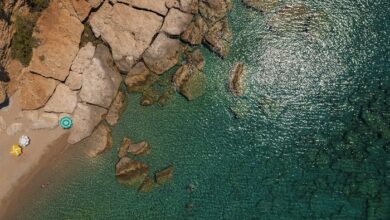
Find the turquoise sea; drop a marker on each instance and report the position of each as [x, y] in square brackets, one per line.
[309, 139]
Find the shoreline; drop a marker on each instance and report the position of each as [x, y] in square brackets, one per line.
[12, 200]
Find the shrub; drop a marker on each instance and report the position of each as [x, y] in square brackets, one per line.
[22, 42]
[3, 75]
[38, 5]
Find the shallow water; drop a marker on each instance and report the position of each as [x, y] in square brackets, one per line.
[309, 139]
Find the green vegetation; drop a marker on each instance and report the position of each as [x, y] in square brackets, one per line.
[38, 5]
[23, 41]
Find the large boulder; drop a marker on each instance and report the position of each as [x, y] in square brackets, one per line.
[127, 30]
[176, 22]
[165, 175]
[63, 100]
[195, 31]
[83, 7]
[36, 91]
[131, 172]
[163, 54]
[99, 141]
[117, 108]
[219, 37]
[139, 77]
[214, 10]
[147, 185]
[190, 81]
[123, 149]
[139, 149]
[74, 80]
[83, 58]
[261, 5]
[189, 6]
[236, 81]
[58, 38]
[85, 118]
[101, 80]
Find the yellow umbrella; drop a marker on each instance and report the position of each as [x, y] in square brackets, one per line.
[16, 150]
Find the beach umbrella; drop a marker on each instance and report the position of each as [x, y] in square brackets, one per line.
[16, 150]
[24, 141]
[66, 122]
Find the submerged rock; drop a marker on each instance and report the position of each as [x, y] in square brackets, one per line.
[139, 149]
[190, 81]
[261, 5]
[163, 54]
[122, 152]
[236, 80]
[139, 77]
[36, 91]
[117, 108]
[131, 172]
[99, 141]
[176, 22]
[58, 41]
[127, 30]
[214, 10]
[85, 118]
[219, 38]
[165, 175]
[147, 185]
[195, 31]
[293, 17]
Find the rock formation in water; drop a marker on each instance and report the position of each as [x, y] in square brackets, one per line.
[264, 6]
[165, 175]
[237, 79]
[139, 149]
[99, 141]
[131, 172]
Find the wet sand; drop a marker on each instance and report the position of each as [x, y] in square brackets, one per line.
[16, 172]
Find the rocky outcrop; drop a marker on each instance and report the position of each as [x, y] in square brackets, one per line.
[83, 7]
[236, 80]
[131, 172]
[189, 6]
[45, 120]
[176, 22]
[139, 77]
[158, 6]
[219, 37]
[163, 54]
[139, 149]
[128, 38]
[117, 108]
[264, 6]
[74, 81]
[214, 10]
[196, 59]
[85, 118]
[294, 17]
[165, 175]
[83, 58]
[147, 185]
[99, 141]
[195, 31]
[36, 91]
[63, 100]
[122, 152]
[101, 80]
[58, 39]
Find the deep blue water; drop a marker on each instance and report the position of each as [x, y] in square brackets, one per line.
[309, 139]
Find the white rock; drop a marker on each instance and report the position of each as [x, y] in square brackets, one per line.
[64, 100]
[74, 81]
[176, 22]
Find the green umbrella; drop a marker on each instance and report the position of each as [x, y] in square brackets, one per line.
[66, 122]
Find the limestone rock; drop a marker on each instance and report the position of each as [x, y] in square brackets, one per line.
[236, 81]
[131, 172]
[261, 5]
[172, 4]
[45, 120]
[196, 59]
[58, 41]
[158, 6]
[190, 81]
[85, 119]
[99, 141]
[83, 58]
[163, 54]
[189, 6]
[128, 31]
[101, 80]
[147, 185]
[164, 175]
[35, 91]
[82, 8]
[74, 81]
[14, 128]
[214, 10]
[219, 38]
[139, 77]
[176, 22]
[117, 108]
[124, 147]
[139, 149]
[95, 3]
[63, 100]
[195, 31]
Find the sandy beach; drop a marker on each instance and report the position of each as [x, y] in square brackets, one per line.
[46, 145]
